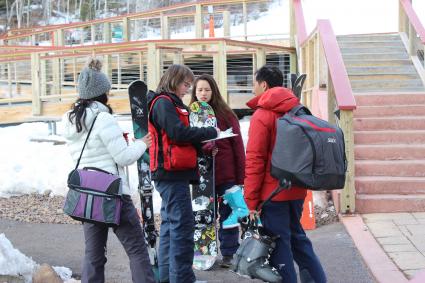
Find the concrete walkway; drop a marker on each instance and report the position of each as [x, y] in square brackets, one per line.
[62, 245]
[391, 244]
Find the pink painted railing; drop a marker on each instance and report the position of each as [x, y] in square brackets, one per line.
[407, 7]
[320, 58]
[299, 22]
[343, 92]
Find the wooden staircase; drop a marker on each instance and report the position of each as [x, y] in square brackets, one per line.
[389, 124]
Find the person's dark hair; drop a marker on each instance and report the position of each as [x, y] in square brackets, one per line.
[78, 110]
[175, 75]
[269, 74]
[220, 107]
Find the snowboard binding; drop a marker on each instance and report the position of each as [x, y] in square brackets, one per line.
[252, 257]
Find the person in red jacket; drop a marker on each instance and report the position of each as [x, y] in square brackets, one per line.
[282, 215]
[229, 165]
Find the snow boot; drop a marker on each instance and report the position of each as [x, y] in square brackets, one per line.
[233, 197]
[251, 258]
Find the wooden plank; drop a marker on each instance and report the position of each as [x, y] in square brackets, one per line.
[348, 194]
[22, 113]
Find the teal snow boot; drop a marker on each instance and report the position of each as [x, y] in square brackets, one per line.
[234, 198]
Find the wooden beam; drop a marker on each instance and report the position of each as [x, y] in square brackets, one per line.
[245, 20]
[220, 71]
[56, 76]
[226, 23]
[153, 73]
[178, 58]
[93, 34]
[165, 31]
[199, 24]
[126, 29]
[292, 26]
[141, 66]
[260, 57]
[107, 36]
[348, 194]
[35, 85]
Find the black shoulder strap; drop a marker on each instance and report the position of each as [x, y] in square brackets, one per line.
[85, 142]
[299, 109]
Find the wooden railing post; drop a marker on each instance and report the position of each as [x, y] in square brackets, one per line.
[141, 66]
[220, 69]
[107, 66]
[178, 58]
[119, 71]
[401, 18]
[56, 66]
[245, 20]
[93, 33]
[107, 36]
[165, 31]
[226, 23]
[199, 23]
[126, 29]
[153, 72]
[35, 83]
[292, 26]
[9, 79]
[412, 38]
[347, 197]
[260, 58]
[348, 194]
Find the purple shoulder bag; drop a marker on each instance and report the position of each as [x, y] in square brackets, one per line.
[94, 195]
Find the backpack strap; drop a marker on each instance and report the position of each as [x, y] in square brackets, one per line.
[299, 109]
[158, 131]
[158, 97]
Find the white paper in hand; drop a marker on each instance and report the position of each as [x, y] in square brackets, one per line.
[223, 135]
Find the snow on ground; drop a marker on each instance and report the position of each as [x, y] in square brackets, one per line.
[15, 263]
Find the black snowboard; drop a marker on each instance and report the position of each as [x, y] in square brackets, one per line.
[137, 92]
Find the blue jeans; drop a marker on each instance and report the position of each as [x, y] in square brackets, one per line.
[229, 238]
[283, 218]
[176, 244]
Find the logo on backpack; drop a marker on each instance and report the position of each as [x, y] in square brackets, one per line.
[309, 151]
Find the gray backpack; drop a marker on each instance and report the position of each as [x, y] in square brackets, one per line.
[308, 151]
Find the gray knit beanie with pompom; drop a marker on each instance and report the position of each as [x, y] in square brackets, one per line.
[92, 82]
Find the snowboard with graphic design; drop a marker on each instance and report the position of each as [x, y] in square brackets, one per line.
[203, 195]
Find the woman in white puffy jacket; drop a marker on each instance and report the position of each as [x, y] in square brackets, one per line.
[108, 150]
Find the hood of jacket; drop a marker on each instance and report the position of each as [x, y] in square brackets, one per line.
[276, 99]
[70, 130]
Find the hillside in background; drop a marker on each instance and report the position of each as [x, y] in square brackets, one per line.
[26, 13]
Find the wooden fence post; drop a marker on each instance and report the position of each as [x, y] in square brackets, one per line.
[199, 23]
[35, 83]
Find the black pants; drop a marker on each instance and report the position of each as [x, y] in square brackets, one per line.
[131, 236]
